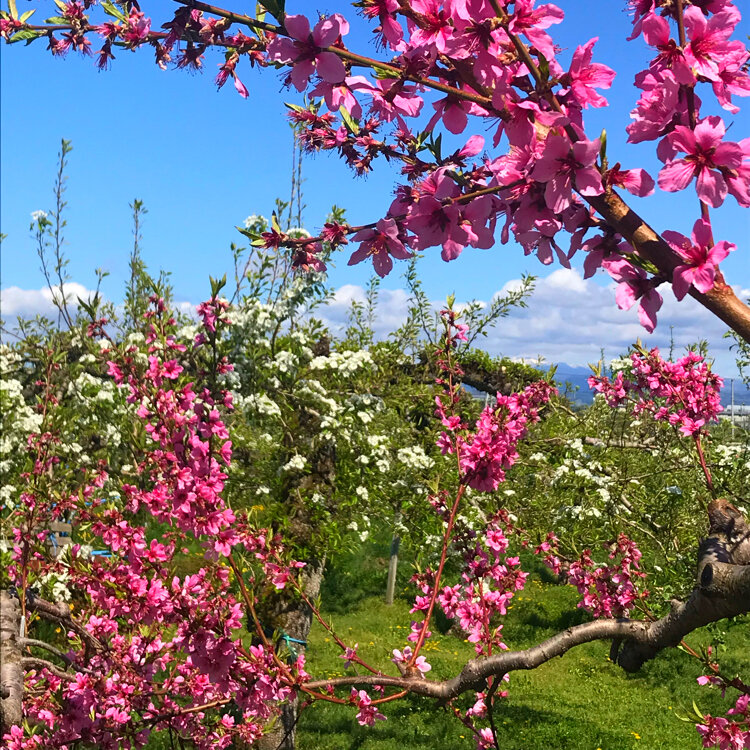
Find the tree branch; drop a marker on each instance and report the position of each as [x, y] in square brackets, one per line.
[31, 662]
[724, 592]
[28, 642]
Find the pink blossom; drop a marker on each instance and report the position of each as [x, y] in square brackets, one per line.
[656, 32]
[732, 79]
[367, 714]
[380, 244]
[385, 10]
[348, 655]
[136, 30]
[633, 284]
[437, 30]
[306, 51]
[584, 77]
[564, 166]
[636, 181]
[707, 156]
[709, 48]
[702, 256]
[658, 108]
[531, 22]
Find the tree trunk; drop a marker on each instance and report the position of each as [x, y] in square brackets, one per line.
[292, 619]
[11, 671]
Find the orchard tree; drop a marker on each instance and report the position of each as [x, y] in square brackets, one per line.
[150, 649]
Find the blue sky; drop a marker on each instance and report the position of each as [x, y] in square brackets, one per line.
[203, 160]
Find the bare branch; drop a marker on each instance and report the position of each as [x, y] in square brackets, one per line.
[28, 642]
[725, 592]
[31, 662]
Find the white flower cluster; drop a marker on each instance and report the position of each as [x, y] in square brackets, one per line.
[17, 419]
[259, 403]
[286, 362]
[727, 455]
[254, 219]
[345, 363]
[362, 493]
[295, 463]
[621, 363]
[415, 458]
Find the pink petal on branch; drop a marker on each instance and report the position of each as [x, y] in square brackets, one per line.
[298, 27]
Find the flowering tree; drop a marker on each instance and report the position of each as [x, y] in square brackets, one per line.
[157, 650]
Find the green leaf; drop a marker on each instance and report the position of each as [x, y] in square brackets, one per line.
[697, 711]
[56, 20]
[12, 8]
[28, 14]
[275, 8]
[217, 285]
[543, 67]
[350, 122]
[383, 73]
[248, 233]
[25, 35]
[112, 10]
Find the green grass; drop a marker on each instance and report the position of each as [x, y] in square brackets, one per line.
[579, 702]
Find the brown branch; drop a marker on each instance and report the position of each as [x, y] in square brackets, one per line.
[61, 613]
[29, 642]
[724, 593]
[31, 662]
[720, 300]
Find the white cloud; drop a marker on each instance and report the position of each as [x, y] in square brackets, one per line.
[391, 311]
[568, 320]
[26, 303]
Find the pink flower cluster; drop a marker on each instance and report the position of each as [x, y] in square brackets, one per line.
[669, 108]
[609, 590]
[684, 393]
[728, 734]
[154, 647]
[487, 451]
[496, 61]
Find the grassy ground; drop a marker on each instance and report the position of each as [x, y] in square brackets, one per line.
[579, 702]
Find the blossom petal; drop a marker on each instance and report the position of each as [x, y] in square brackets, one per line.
[330, 67]
[676, 175]
[298, 27]
[711, 187]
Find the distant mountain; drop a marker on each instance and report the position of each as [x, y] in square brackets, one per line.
[576, 379]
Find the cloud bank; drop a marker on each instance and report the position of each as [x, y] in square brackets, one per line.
[567, 319]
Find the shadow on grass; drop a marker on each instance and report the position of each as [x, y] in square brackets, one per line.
[410, 725]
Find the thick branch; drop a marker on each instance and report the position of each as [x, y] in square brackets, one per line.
[724, 592]
[720, 300]
[727, 594]
[11, 670]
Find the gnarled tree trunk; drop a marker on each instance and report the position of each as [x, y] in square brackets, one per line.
[292, 619]
[11, 669]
